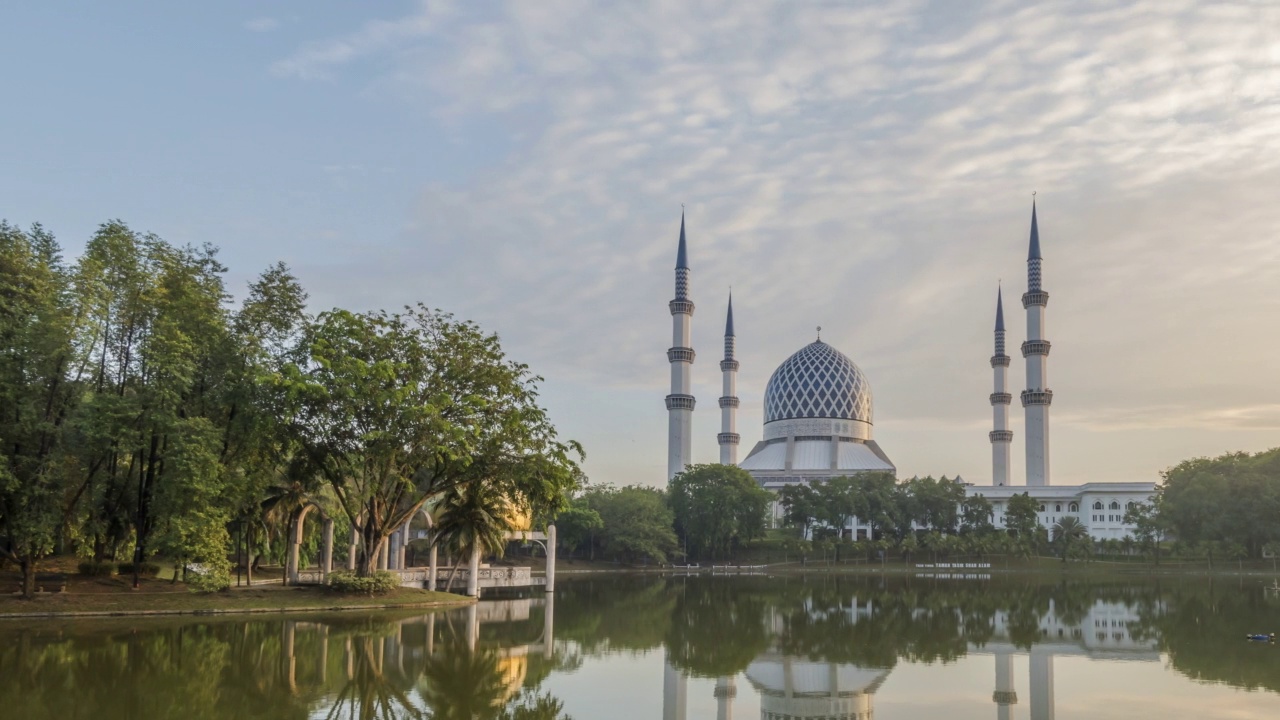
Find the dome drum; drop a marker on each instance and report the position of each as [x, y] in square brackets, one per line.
[780, 429]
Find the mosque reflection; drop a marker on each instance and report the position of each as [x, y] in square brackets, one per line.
[797, 686]
[795, 648]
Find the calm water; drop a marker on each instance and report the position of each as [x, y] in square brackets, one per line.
[780, 648]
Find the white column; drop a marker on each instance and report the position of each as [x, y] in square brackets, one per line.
[550, 587]
[1041, 685]
[725, 692]
[674, 691]
[393, 551]
[473, 573]
[404, 545]
[352, 549]
[549, 626]
[433, 563]
[1005, 696]
[326, 558]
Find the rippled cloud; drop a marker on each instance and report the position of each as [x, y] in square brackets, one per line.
[866, 167]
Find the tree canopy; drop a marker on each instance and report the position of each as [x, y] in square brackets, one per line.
[717, 508]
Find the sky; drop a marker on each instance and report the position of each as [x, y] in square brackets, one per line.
[865, 167]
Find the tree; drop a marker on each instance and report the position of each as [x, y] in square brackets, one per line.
[878, 501]
[836, 503]
[576, 525]
[717, 508]
[909, 546]
[637, 522]
[976, 514]
[1068, 533]
[394, 410]
[935, 503]
[1021, 514]
[1146, 527]
[473, 518]
[35, 399]
[801, 506]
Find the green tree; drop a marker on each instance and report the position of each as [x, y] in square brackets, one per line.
[153, 354]
[637, 523]
[836, 502]
[934, 503]
[1146, 527]
[1069, 533]
[36, 331]
[577, 525]
[976, 514]
[717, 507]
[473, 517]
[394, 410]
[801, 506]
[1020, 516]
[879, 502]
[909, 546]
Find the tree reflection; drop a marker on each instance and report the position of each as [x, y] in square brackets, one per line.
[375, 667]
[370, 693]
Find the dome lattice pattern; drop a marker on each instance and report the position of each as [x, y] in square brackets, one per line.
[817, 382]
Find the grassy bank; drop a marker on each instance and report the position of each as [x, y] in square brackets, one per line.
[67, 593]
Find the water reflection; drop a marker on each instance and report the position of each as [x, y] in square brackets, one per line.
[785, 648]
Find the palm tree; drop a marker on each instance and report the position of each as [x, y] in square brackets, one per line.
[1067, 532]
[471, 517]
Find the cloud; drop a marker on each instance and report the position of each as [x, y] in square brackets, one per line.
[262, 24]
[865, 167]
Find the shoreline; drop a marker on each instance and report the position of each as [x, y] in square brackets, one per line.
[127, 604]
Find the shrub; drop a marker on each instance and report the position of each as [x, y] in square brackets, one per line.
[145, 569]
[96, 569]
[345, 581]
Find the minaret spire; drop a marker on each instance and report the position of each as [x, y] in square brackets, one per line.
[1037, 397]
[1001, 436]
[728, 437]
[680, 402]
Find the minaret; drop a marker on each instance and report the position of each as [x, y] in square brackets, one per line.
[1042, 702]
[728, 437]
[1001, 436]
[680, 401]
[1005, 696]
[1037, 397]
[726, 691]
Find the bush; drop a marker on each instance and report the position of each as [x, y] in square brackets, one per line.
[96, 569]
[345, 581]
[145, 569]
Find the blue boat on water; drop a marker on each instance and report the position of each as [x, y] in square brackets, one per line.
[1261, 638]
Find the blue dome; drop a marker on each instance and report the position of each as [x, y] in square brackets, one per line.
[817, 382]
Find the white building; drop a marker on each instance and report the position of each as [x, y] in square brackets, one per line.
[818, 416]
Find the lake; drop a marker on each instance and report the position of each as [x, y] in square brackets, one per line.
[668, 648]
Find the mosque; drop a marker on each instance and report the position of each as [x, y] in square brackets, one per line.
[818, 416]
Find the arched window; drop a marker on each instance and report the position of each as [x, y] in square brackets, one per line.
[1075, 507]
[1114, 505]
[1097, 505]
[1128, 505]
[1057, 508]
[1042, 508]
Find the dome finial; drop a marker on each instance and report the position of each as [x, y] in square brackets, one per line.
[819, 333]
